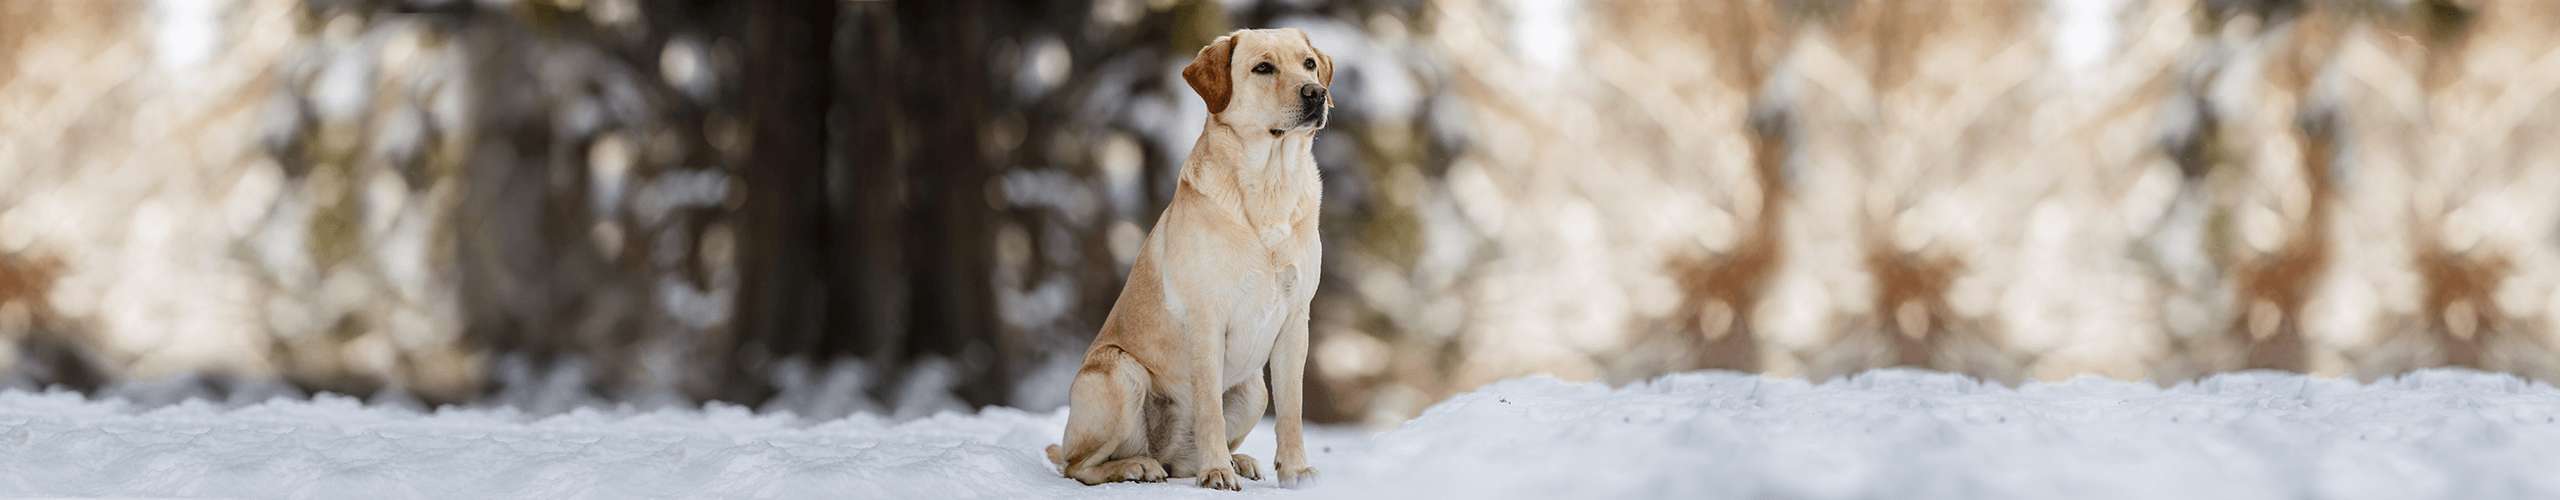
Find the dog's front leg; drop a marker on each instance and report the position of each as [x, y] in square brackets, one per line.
[1208, 417]
[1288, 393]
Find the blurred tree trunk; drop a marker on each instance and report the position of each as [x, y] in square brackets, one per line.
[953, 224]
[867, 230]
[784, 239]
[871, 206]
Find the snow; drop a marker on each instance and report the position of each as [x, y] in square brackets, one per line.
[1887, 434]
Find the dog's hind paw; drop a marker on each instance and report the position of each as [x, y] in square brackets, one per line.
[1245, 466]
[1140, 469]
[1220, 479]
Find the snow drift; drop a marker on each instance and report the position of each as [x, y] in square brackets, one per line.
[1889, 434]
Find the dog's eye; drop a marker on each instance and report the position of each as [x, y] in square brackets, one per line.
[1263, 69]
[1311, 63]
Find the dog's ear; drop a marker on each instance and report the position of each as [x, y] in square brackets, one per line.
[1324, 63]
[1208, 73]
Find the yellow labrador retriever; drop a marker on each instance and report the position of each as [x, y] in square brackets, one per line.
[1219, 292]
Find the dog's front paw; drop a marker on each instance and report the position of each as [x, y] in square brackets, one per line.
[1245, 466]
[1293, 475]
[1220, 479]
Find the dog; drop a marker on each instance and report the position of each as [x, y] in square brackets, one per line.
[1220, 288]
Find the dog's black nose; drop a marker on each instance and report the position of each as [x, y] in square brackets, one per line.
[1311, 92]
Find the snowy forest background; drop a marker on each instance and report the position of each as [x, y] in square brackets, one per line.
[903, 207]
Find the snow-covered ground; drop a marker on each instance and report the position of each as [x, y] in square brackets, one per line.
[1892, 434]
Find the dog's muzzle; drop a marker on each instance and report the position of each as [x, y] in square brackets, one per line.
[1311, 108]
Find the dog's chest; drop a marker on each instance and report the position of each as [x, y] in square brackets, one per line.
[1266, 298]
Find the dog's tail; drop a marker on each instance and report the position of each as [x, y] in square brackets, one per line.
[1056, 459]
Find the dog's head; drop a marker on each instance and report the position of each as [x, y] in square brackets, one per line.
[1271, 79]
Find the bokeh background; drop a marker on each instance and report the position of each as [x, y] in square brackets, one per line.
[904, 207]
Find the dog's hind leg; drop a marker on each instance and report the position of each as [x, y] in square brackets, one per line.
[1244, 405]
[1104, 420]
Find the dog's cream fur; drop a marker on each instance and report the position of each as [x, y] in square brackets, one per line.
[1220, 289]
